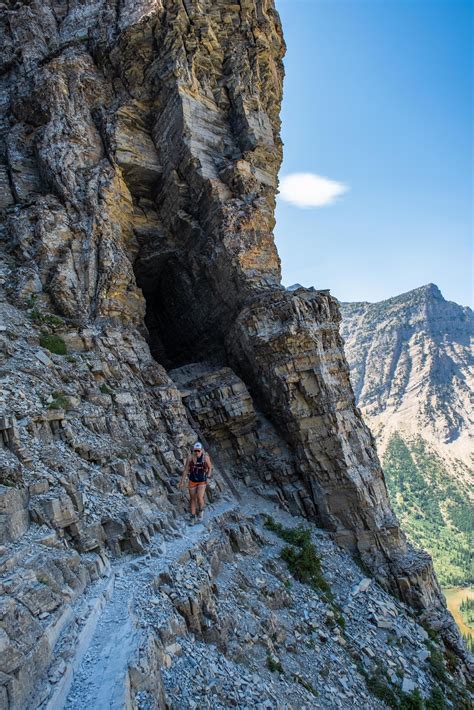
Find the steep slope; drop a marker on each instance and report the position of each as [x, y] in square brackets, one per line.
[413, 374]
[139, 157]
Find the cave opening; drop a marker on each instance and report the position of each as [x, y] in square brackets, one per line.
[183, 317]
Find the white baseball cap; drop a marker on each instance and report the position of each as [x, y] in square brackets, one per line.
[197, 446]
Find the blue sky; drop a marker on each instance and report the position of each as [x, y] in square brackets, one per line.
[378, 97]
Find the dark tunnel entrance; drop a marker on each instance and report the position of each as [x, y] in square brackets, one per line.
[183, 316]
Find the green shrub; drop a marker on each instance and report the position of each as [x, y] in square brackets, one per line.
[105, 390]
[53, 343]
[451, 660]
[340, 621]
[302, 559]
[305, 565]
[433, 635]
[437, 666]
[379, 686]
[411, 701]
[46, 319]
[306, 685]
[436, 699]
[392, 695]
[274, 666]
[299, 536]
[60, 401]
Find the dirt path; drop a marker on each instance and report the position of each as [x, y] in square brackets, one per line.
[98, 676]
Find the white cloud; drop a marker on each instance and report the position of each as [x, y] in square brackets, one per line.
[310, 190]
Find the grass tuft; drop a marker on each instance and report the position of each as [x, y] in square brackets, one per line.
[46, 319]
[53, 343]
[274, 666]
[60, 401]
[306, 685]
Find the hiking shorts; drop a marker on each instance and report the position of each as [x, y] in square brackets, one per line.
[193, 485]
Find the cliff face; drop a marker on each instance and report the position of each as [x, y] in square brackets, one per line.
[411, 366]
[412, 370]
[139, 157]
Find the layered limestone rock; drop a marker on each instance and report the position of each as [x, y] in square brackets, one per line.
[139, 152]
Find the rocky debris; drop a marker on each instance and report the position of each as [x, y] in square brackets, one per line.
[139, 152]
[92, 482]
[221, 624]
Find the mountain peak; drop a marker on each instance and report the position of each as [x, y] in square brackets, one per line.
[431, 290]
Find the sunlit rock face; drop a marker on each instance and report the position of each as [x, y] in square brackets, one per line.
[139, 156]
[412, 369]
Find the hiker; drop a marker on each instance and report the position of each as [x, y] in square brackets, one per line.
[198, 468]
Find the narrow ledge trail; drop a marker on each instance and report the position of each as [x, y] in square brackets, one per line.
[97, 675]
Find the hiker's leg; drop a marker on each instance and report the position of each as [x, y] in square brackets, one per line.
[201, 494]
[192, 500]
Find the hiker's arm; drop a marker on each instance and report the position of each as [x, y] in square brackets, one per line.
[184, 473]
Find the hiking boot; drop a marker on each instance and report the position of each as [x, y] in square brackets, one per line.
[200, 516]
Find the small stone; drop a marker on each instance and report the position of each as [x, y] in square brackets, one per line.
[408, 685]
[42, 357]
[362, 586]
[423, 654]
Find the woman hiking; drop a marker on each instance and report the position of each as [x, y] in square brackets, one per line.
[198, 469]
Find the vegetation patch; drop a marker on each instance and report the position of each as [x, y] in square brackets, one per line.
[273, 665]
[436, 699]
[436, 663]
[105, 390]
[432, 633]
[302, 559]
[53, 343]
[433, 507]
[60, 401]
[339, 618]
[381, 688]
[306, 685]
[392, 695]
[48, 319]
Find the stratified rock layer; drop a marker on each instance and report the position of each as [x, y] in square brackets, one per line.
[139, 156]
[412, 368]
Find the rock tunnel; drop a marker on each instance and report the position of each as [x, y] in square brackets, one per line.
[185, 320]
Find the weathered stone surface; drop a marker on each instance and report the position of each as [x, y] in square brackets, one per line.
[141, 144]
[14, 518]
[411, 366]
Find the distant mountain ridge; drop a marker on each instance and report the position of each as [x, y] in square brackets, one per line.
[412, 371]
[412, 366]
